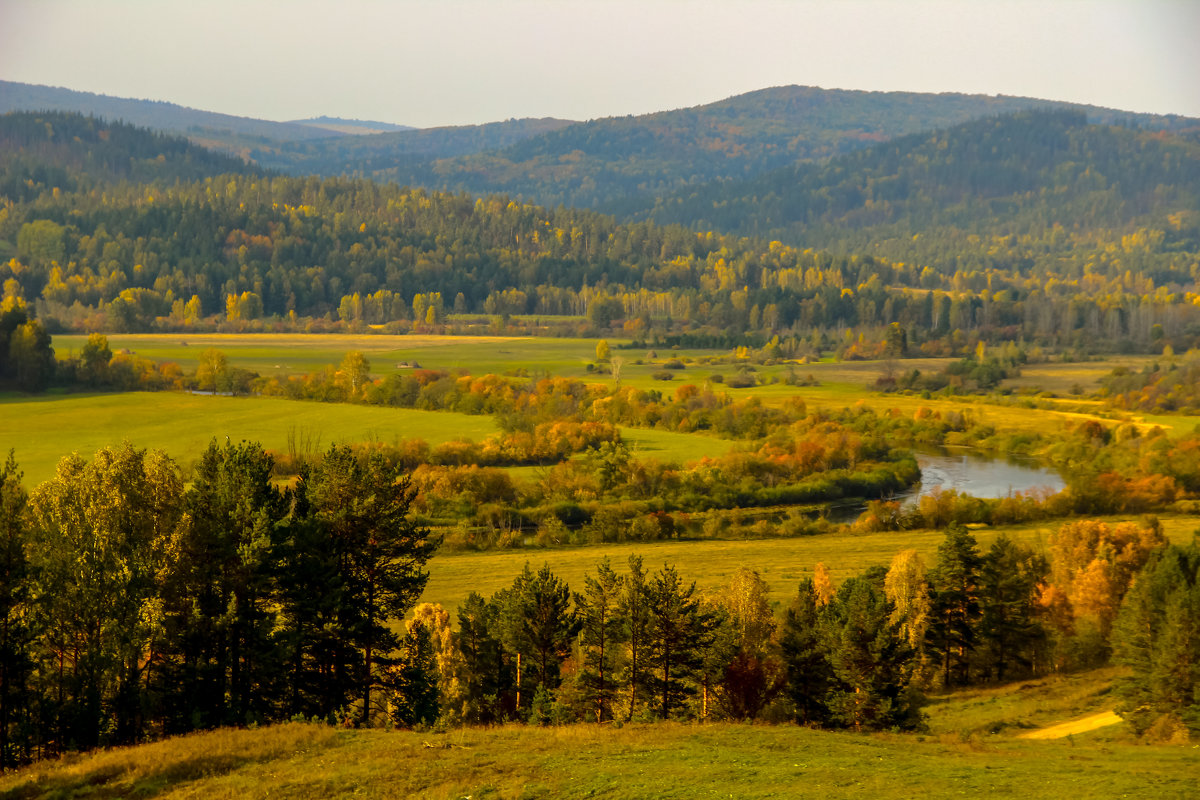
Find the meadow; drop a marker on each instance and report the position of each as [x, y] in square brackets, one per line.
[782, 563]
[660, 760]
[43, 429]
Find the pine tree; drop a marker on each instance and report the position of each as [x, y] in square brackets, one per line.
[1157, 636]
[871, 662]
[809, 674]
[539, 627]
[415, 696]
[1009, 632]
[679, 632]
[954, 615]
[601, 635]
[380, 551]
[634, 610]
[484, 674]
[220, 593]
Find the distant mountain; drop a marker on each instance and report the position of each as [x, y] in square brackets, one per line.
[956, 195]
[351, 127]
[61, 151]
[621, 164]
[217, 130]
[409, 156]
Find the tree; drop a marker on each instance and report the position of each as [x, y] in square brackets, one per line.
[353, 374]
[602, 631]
[101, 534]
[94, 358]
[954, 614]
[809, 674]
[379, 553]
[634, 609]
[873, 665]
[603, 352]
[1009, 630]
[221, 594]
[679, 632]
[212, 373]
[15, 634]
[754, 675]
[30, 357]
[1157, 636]
[540, 626]
[416, 699]
[483, 674]
[907, 589]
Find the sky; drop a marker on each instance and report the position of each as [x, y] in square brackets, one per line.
[450, 62]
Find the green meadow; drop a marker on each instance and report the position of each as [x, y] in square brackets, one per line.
[44, 429]
[782, 563]
[658, 760]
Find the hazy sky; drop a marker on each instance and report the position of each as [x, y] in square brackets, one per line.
[442, 62]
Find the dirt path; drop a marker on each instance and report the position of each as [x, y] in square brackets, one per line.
[1081, 725]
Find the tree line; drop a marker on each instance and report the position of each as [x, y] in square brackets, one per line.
[134, 607]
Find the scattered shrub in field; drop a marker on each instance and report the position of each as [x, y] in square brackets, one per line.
[662, 375]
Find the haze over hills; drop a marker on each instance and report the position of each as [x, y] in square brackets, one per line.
[619, 164]
[206, 126]
[351, 127]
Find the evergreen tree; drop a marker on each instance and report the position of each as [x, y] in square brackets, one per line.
[1157, 636]
[679, 633]
[872, 663]
[634, 610]
[954, 613]
[380, 553]
[221, 592]
[1009, 631]
[484, 673]
[415, 696]
[539, 626]
[602, 631]
[809, 674]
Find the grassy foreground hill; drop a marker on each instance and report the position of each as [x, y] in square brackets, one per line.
[663, 760]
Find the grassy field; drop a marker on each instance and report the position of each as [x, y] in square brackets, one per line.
[44, 429]
[664, 760]
[712, 563]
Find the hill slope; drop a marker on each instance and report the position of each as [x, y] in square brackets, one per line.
[224, 129]
[614, 164]
[922, 197]
[660, 760]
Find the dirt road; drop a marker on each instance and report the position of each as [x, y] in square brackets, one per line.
[1081, 725]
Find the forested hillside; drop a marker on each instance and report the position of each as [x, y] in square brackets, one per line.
[1107, 246]
[40, 153]
[413, 154]
[618, 164]
[1030, 188]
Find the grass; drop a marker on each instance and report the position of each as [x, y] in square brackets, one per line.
[663, 760]
[44, 429]
[782, 563]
